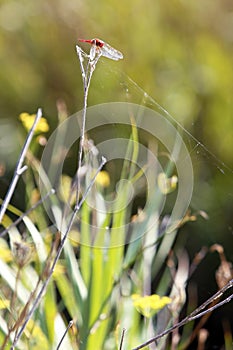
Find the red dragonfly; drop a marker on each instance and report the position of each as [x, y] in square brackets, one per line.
[99, 47]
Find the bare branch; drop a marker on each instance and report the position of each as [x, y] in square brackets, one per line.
[62, 338]
[86, 76]
[19, 167]
[195, 314]
[122, 338]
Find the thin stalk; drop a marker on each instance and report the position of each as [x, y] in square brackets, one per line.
[68, 327]
[86, 77]
[19, 167]
[122, 338]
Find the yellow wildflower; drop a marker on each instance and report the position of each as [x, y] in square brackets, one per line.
[5, 252]
[103, 179]
[167, 184]
[4, 304]
[149, 305]
[59, 269]
[65, 190]
[28, 120]
[40, 340]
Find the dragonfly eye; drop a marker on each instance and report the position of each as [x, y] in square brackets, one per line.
[98, 43]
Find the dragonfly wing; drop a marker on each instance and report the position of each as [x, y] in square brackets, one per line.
[110, 52]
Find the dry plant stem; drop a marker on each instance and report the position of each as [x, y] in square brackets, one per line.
[12, 305]
[15, 291]
[195, 314]
[60, 248]
[16, 222]
[13, 299]
[20, 318]
[86, 77]
[68, 327]
[122, 338]
[199, 326]
[19, 167]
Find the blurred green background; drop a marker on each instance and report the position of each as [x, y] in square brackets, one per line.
[179, 52]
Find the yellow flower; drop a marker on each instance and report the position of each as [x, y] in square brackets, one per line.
[35, 331]
[167, 184]
[65, 188]
[103, 179]
[149, 305]
[5, 252]
[4, 304]
[59, 269]
[28, 120]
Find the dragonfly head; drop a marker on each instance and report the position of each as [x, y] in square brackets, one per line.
[97, 42]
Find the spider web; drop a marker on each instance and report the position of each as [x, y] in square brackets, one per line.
[213, 178]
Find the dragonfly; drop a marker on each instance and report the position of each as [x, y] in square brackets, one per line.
[101, 48]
